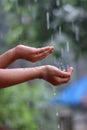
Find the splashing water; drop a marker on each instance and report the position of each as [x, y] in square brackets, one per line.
[60, 65]
[68, 54]
[48, 19]
[62, 52]
[62, 61]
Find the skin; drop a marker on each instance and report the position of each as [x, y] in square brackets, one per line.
[10, 77]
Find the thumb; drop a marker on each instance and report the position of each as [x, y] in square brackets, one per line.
[70, 70]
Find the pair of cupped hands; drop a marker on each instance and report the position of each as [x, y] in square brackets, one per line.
[50, 73]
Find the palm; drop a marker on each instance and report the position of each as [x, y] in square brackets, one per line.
[55, 76]
[33, 54]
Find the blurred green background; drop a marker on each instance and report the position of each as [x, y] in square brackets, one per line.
[36, 23]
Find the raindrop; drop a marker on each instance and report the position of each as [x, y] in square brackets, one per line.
[68, 54]
[77, 33]
[54, 94]
[58, 2]
[52, 40]
[54, 91]
[48, 19]
[62, 63]
[58, 126]
[57, 114]
[67, 46]
[35, 1]
[62, 52]
[59, 30]
[75, 29]
[62, 60]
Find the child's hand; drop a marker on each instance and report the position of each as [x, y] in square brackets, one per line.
[55, 76]
[33, 54]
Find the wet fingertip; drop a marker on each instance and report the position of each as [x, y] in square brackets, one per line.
[51, 50]
[69, 75]
[70, 69]
[51, 47]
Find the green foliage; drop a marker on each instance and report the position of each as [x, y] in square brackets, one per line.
[20, 20]
[23, 106]
[15, 110]
[15, 34]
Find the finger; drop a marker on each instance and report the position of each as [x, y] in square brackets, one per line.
[61, 73]
[41, 56]
[70, 70]
[48, 48]
[64, 74]
[59, 81]
[64, 80]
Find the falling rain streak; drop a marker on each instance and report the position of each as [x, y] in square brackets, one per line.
[54, 91]
[58, 126]
[57, 114]
[59, 30]
[58, 2]
[75, 29]
[67, 46]
[52, 39]
[48, 20]
[35, 1]
[77, 34]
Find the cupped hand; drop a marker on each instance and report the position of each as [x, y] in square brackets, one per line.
[56, 76]
[33, 54]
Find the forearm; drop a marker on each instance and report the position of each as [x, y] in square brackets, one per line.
[9, 77]
[24, 52]
[7, 58]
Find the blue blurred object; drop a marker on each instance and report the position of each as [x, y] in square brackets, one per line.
[72, 95]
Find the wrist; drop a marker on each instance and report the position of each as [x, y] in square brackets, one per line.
[42, 72]
[17, 51]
